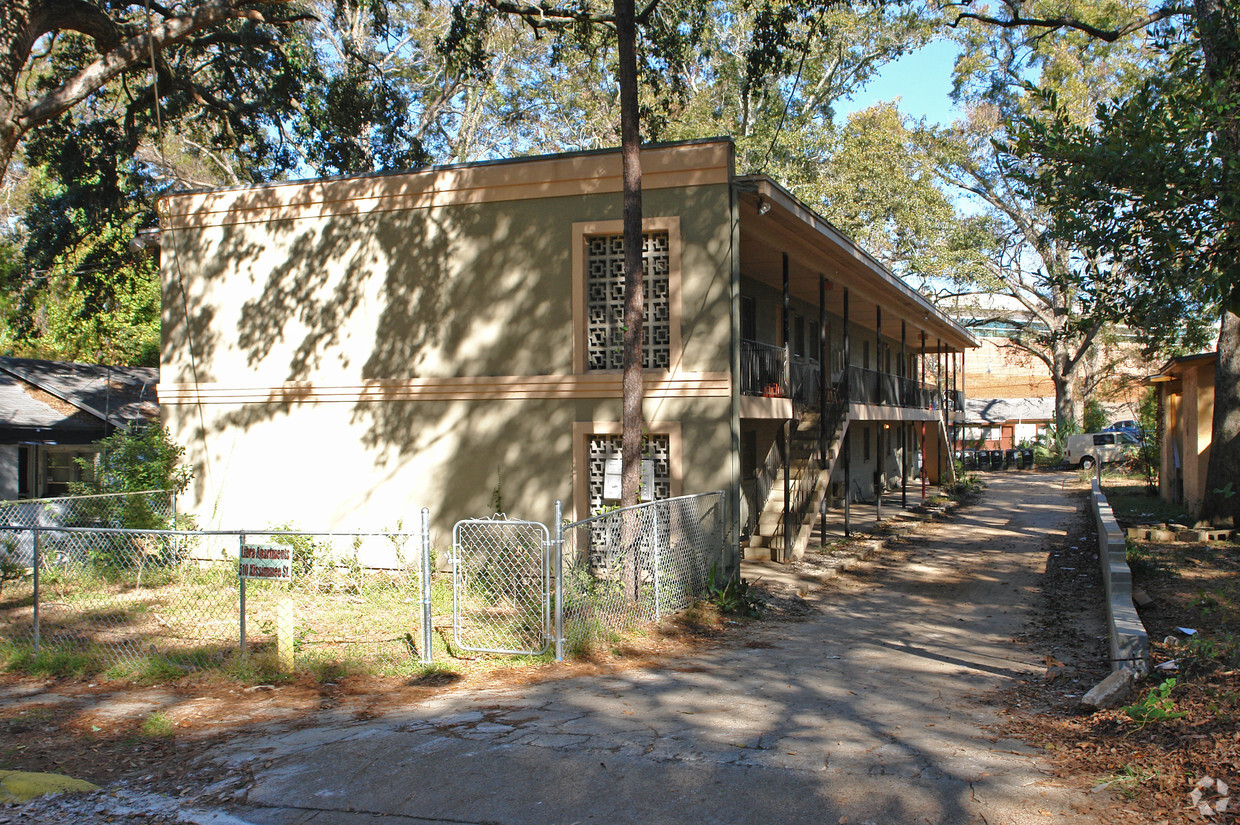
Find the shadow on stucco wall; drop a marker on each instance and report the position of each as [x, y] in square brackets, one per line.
[468, 290]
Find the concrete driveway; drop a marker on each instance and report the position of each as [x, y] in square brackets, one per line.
[879, 709]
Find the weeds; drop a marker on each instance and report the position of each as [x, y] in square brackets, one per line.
[1128, 781]
[732, 596]
[1157, 706]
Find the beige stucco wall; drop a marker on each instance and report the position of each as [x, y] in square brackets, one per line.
[1188, 421]
[297, 324]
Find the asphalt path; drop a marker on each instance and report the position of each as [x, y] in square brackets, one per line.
[881, 707]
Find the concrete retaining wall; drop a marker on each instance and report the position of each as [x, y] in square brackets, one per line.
[1129, 643]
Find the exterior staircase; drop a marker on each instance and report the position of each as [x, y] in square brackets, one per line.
[810, 483]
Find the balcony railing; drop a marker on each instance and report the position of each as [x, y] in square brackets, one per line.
[764, 370]
[881, 388]
[806, 381]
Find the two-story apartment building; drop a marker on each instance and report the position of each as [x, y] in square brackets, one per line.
[339, 352]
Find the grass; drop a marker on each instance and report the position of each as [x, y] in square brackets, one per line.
[157, 725]
[184, 618]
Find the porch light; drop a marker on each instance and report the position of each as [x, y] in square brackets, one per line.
[764, 206]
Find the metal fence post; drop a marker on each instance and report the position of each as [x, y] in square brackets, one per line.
[559, 582]
[427, 630]
[241, 591]
[655, 514]
[34, 559]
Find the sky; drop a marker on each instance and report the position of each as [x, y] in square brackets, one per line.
[922, 80]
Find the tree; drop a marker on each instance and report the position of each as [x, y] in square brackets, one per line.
[125, 36]
[1153, 225]
[580, 21]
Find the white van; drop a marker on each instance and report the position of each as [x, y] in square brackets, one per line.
[1088, 449]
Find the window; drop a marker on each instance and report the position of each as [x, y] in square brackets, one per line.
[798, 335]
[813, 342]
[1104, 438]
[61, 469]
[604, 294]
[865, 355]
[865, 443]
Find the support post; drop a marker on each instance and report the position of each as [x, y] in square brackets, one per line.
[921, 386]
[904, 382]
[847, 400]
[824, 375]
[786, 553]
[241, 589]
[878, 371]
[428, 637]
[559, 582]
[284, 634]
[939, 391]
[36, 562]
[847, 446]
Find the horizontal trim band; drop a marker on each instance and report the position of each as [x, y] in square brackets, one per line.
[482, 388]
[685, 166]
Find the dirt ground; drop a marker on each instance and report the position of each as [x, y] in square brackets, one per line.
[1152, 765]
[143, 736]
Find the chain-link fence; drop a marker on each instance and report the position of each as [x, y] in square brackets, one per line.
[147, 509]
[157, 600]
[634, 565]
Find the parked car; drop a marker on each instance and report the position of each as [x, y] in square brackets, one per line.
[1088, 449]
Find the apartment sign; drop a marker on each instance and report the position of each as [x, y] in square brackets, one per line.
[265, 561]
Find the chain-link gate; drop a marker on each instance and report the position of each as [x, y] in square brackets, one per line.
[501, 586]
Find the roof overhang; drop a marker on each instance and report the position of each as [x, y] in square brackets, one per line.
[774, 221]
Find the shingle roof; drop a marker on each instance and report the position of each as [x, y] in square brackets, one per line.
[83, 397]
[997, 410]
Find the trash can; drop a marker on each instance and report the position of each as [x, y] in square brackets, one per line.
[1027, 455]
[996, 460]
[1009, 459]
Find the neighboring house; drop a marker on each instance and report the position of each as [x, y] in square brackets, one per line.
[1004, 423]
[341, 351]
[53, 412]
[1185, 427]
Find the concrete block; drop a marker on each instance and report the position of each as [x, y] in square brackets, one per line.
[1191, 535]
[1162, 535]
[1110, 692]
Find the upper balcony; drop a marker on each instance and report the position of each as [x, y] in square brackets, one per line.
[767, 372]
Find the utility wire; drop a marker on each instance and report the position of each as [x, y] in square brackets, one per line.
[176, 255]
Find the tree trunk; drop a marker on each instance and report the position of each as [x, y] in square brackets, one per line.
[1220, 44]
[630, 150]
[1222, 494]
[1063, 376]
[631, 417]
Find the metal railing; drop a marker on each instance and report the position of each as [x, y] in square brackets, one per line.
[764, 369]
[885, 389]
[764, 483]
[806, 382]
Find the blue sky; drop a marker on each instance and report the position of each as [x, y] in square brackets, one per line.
[922, 80]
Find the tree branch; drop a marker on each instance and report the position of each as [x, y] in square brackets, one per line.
[1068, 22]
[132, 52]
